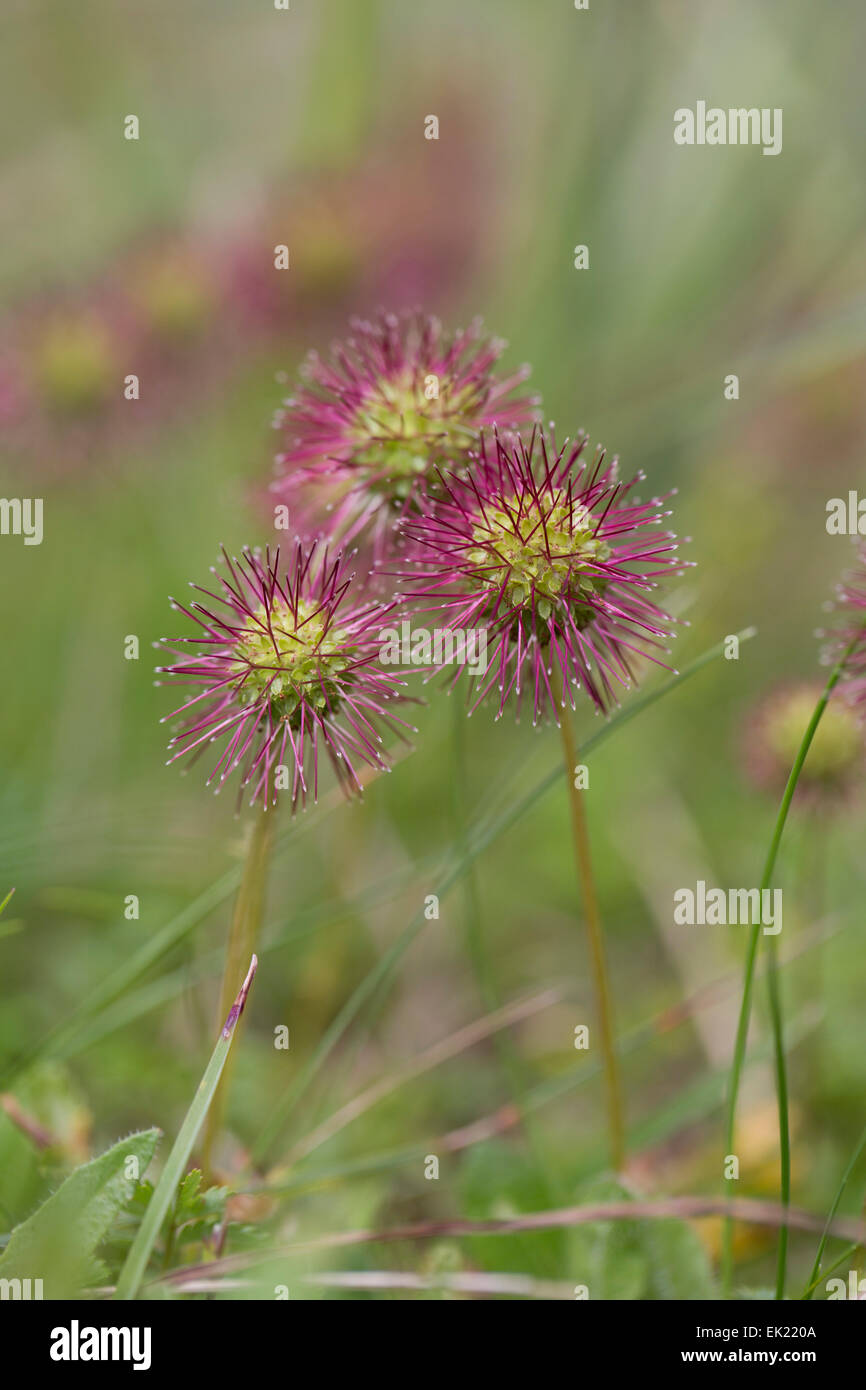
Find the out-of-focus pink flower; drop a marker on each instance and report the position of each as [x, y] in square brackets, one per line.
[847, 640]
[374, 422]
[773, 733]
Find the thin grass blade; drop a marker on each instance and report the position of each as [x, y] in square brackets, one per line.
[136, 1261]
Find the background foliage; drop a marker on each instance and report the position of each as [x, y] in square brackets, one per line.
[307, 127]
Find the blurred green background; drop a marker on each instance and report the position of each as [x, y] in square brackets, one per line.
[155, 257]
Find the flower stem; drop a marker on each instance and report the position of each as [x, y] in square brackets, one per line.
[775, 1008]
[583, 862]
[243, 934]
[782, 1099]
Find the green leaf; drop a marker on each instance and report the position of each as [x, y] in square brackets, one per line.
[679, 1264]
[640, 1259]
[56, 1244]
[196, 1212]
[609, 1256]
[499, 1180]
[188, 1194]
[136, 1261]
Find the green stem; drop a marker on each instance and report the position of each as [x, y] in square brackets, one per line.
[604, 1009]
[846, 1255]
[243, 935]
[815, 1276]
[775, 1007]
[774, 996]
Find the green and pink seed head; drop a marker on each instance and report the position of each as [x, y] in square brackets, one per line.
[553, 556]
[285, 667]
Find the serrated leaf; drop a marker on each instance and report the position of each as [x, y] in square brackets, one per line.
[56, 1244]
[188, 1198]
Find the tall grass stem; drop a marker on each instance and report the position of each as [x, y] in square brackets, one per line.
[243, 936]
[775, 1006]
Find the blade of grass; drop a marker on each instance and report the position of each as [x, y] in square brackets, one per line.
[242, 943]
[695, 1103]
[136, 1261]
[775, 1001]
[11, 926]
[815, 1276]
[469, 1036]
[171, 985]
[154, 949]
[126, 975]
[775, 1006]
[846, 1255]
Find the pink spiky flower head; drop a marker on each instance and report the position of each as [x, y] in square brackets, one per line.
[553, 559]
[393, 403]
[847, 640]
[286, 666]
